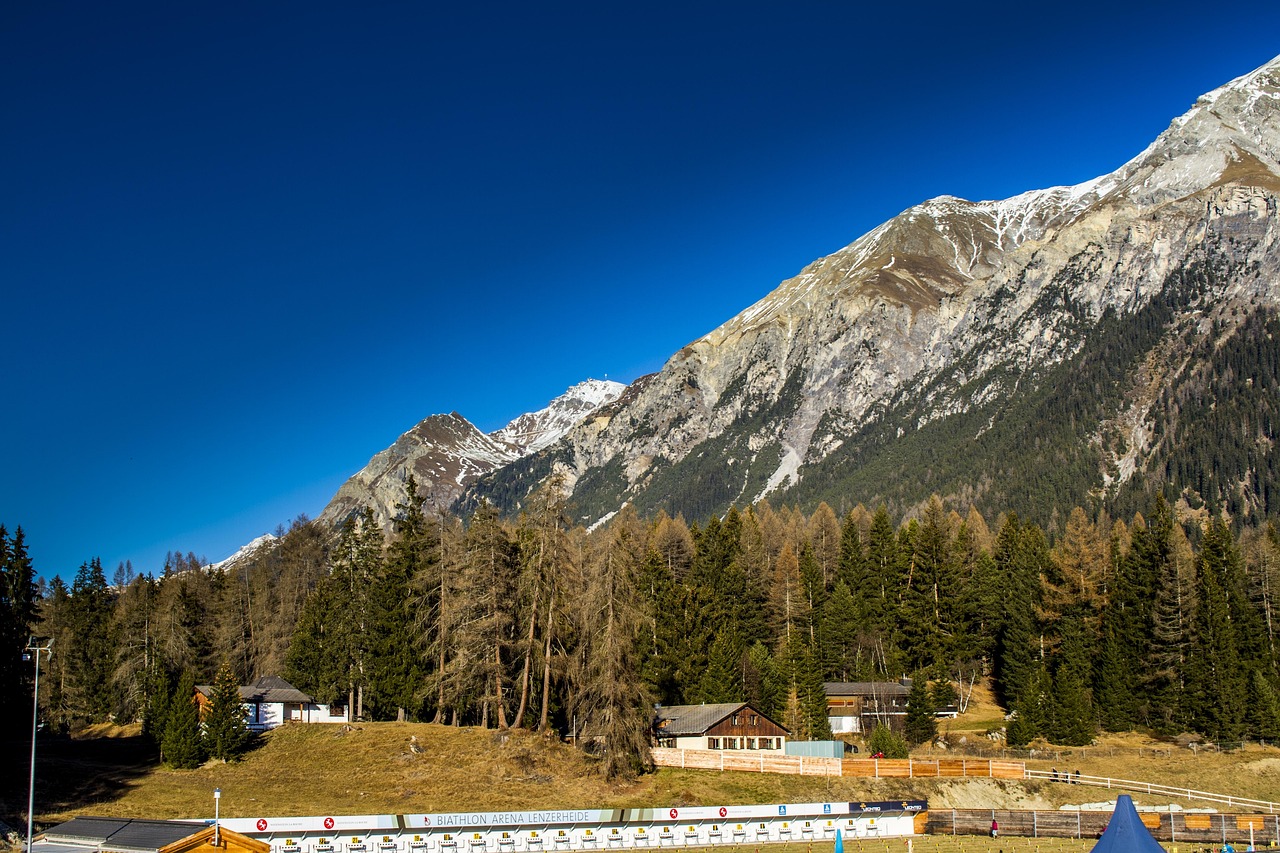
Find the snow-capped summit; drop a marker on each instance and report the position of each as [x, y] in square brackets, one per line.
[447, 453]
[533, 431]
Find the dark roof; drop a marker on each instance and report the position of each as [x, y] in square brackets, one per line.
[866, 688]
[268, 689]
[104, 833]
[686, 720]
[272, 688]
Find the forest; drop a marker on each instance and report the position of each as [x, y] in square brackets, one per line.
[1163, 621]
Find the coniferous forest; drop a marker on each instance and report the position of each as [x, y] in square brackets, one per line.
[1162, 621]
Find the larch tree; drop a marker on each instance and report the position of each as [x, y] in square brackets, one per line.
[609, 699]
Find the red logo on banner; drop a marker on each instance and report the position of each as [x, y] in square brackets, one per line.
[673, 814]
[723, 811]
[262, 824]
[328, 823]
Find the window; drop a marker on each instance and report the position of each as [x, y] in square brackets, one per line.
[751, 743]
[737, 721]
[755, 720]
[713, 743]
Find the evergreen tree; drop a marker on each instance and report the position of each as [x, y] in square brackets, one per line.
[181, 748]
[762, 686]
[18, 610]
[226, 734]
[1071, 719]
[316, 660]
[1218, 687]
[91, 655]
[1020, 556]
[921, 725]
[886, 742]
[839, 636]
[722, 680]
[929, 601]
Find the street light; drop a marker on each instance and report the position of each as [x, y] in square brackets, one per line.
[217, 798]
[32, 652]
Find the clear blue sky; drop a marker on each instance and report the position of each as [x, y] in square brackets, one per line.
[244, 246]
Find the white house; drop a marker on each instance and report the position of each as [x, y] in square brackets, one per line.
[271, 701]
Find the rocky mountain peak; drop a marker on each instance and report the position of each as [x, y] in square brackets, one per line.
[953, 307]
[446, 453]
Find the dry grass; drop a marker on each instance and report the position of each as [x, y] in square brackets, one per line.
[399, 768]
[408, 768]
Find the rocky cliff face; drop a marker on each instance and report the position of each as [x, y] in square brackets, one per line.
[447, 453]
[944, 323]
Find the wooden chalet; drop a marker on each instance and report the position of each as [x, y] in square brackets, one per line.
[856, 707]
[729, 725]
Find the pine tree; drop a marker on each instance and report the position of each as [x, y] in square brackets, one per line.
[1071, 719]
[226, 734]
[721, 680]
[839, 637]
[1020, 556]
[920, 726]
[886, 742]
[18, 611]
[929, 602]
[181, 748]
[1218, 686]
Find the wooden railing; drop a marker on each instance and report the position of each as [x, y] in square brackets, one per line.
[766, 761]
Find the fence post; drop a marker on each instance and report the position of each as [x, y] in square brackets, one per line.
[1035, 824]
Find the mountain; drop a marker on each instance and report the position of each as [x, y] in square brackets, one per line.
[447, 453]
[1072, 345]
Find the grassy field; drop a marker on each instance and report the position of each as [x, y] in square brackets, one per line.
[406, 768]
[388, 768]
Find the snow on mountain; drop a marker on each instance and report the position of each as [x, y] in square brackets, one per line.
[531, 432]
[948, 306]
[244, 553]
[447, 453]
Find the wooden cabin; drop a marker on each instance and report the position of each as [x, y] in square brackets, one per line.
[728, 725]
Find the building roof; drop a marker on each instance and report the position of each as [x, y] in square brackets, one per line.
[270, 689]
[867, 688]
[692, 720]
[101, 833]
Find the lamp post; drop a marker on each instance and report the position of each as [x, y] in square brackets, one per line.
[217, 798]
[32, 652]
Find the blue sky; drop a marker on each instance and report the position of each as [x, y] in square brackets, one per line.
[243, 247]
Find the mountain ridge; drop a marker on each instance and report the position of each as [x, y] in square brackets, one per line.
[952, 330]
[972, 300]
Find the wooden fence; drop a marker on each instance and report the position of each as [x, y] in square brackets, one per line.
[1209, 830]
[764, 761]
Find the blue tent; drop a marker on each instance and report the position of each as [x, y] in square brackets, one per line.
[1125, 832]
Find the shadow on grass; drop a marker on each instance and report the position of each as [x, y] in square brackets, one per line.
[72, 774]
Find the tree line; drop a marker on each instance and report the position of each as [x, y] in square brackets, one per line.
[1164, 622]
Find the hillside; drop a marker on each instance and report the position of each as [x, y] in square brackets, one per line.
[398, 768]
[1106, 319]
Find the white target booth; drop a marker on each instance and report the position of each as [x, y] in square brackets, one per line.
[584, 829]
